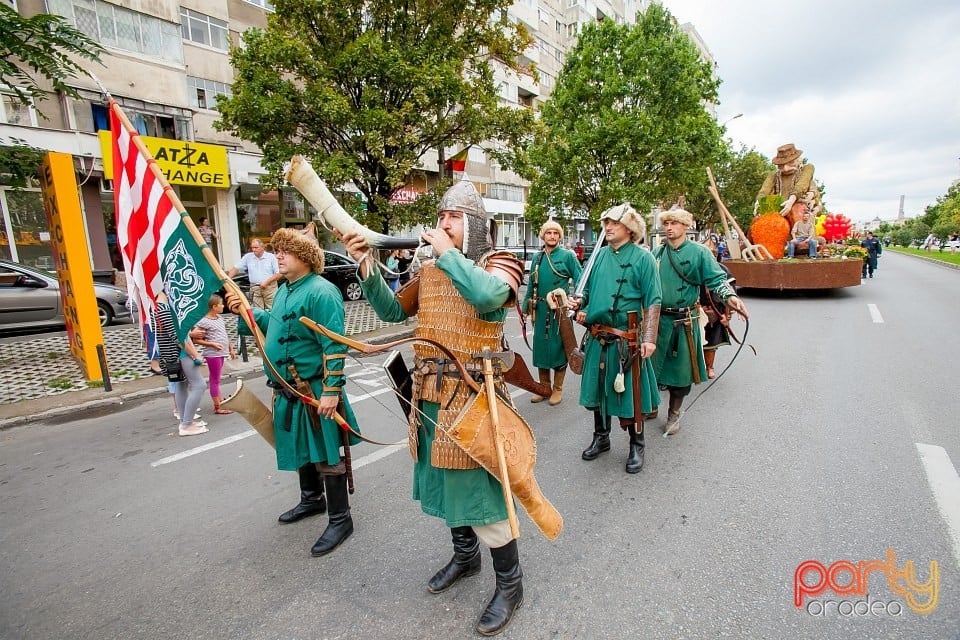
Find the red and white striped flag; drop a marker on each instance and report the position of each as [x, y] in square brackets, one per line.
[159, 253]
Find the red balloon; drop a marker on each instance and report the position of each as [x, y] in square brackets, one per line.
[836, 226]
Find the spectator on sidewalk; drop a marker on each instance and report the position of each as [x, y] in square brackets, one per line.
[181, 364]
[263, 272]
[210, 332]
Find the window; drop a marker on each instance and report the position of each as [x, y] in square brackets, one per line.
[121, 28]
[13, 111]
[203, 93]
[202, 29]
[507, 192]
[261, 3]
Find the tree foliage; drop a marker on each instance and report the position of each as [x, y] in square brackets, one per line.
[365, 88]
[42, 45]
[625, 122]
[739, 175]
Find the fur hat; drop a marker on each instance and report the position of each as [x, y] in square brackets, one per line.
[551, 225]
[676, 214]
[786, 153]
[628, 216]
[296, 243]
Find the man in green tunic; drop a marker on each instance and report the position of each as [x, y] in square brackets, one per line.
[685, 266]
[462, 303]
[623, 278]
[552, 268]
[314, 453]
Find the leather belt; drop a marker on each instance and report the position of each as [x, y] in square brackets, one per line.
[679, 311]
[602, 331]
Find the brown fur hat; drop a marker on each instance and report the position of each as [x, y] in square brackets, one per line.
[296, 243]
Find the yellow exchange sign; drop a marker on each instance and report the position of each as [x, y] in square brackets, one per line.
[190, 163]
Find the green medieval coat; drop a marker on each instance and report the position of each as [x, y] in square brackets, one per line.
[461, 497]
[288, 342]
[672, 360]
[548, 272]
[621, 281]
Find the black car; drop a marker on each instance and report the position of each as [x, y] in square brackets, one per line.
[341, 270]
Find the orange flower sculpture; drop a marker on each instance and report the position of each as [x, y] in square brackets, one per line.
[771, 230]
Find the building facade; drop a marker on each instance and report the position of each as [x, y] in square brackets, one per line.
[166, 62]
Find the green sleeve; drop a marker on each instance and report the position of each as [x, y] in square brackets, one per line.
[328, 311]
[714, 277]
[481, 290]
[530, 286]
[381, 298]
[260, 317]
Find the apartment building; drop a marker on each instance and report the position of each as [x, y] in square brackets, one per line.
[166, 61]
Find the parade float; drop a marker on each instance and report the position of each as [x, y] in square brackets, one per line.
[757, 260]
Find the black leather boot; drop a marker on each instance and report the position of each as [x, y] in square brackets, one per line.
[635, 459]
[508, 596]
[601, 437]
[341, 524]
[312, 501]
[465, 561]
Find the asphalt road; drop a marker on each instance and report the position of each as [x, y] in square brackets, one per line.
[833, 443]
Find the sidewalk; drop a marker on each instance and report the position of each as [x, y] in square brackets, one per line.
[39, 379]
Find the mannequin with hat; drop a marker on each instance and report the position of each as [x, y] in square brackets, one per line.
[554, 267]
[792, 180]
[685, 267]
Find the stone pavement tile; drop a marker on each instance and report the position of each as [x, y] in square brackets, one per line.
[39, 377]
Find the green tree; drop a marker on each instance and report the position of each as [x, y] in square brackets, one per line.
[626, 122]
[739, 175]
[365, 89]
[43, 45]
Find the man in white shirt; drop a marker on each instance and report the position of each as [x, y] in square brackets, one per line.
[263, 271]
[803, 230]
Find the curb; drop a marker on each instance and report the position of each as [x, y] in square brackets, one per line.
[941, 263]
[378, 337]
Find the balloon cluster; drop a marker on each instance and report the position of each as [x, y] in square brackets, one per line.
[836, 226]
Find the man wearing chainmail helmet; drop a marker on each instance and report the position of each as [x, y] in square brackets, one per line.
[552, 268]
[623, 280]
[462, 302]
[304, 443]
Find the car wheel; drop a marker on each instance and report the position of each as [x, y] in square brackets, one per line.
[105, 312]
[352, 291]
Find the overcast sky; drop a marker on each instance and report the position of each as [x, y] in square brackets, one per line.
[869, 90]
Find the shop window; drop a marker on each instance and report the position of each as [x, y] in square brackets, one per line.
[26, 237]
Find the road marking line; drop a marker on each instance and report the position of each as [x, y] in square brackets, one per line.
[875, 314]
[202, 448]
[364, 396]
[945, 484]
[368, 459]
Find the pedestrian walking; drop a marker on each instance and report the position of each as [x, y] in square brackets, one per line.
[623, 280]
[553, 267]
[263, 272]
[181, 363]
[684, 267]
[308, 440]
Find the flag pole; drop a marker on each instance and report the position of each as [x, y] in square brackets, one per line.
[185, 219]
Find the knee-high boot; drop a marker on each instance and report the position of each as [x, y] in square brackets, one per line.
[508, 596]
[557, 395]
[341, 524]
[601, 437]
[465, 561]
[673, 414]
[635, 459]
[544, 380]
[312, 501]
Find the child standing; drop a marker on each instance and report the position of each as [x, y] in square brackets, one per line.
[217, 347]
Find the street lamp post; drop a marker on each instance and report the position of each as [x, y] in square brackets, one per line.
[724, 123]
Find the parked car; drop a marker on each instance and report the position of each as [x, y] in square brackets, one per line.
[30, 297]
[524, 253]
[341, 270]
